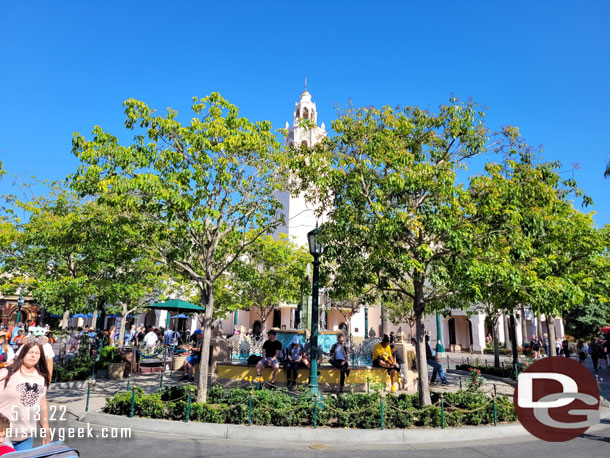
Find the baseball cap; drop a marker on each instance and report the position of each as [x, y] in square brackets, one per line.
[197, 332]
[295, 340]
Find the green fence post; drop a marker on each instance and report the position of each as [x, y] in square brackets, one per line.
[128, 382]
[447, 362]
[250, 411]
[460, 383]
[442, 412]
[161, 382]
[495, 412]
[367, 386]
[88, 394]
[381, 411]
[315, 412]
[188, 408]
[133, 401]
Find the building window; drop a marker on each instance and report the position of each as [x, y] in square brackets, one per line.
[304, 144]
[297, 114]
[305, 113]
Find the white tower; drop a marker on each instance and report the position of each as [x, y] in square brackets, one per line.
[299, 216]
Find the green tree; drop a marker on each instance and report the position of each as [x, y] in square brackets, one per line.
[535, 247]
[206, 189]
[269, 274]
[397, 214]
[45, 257]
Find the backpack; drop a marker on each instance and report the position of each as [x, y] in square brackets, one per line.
[582, 355]
[253, 360]
[52, 450]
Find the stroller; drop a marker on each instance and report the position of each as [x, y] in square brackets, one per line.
[52, 450]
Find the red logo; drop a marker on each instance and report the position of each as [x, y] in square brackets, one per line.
[557, 399]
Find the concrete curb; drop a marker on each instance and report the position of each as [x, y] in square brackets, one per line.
[508, 381]
[305, 434]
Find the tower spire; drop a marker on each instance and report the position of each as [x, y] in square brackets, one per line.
[305, 83]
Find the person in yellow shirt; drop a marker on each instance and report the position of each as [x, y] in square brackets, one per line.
[382, 357]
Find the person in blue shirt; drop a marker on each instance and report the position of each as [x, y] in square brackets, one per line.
[293, 357]
[437, 367]
[339, 358]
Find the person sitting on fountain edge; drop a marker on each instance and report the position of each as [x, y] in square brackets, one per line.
[382, 357]
[307, 354]
[432, 360]
[193, 359]
[271, 357]
[294, 355]
[339, 358]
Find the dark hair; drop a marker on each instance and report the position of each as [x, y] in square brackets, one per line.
[272, 332]
[41, 365]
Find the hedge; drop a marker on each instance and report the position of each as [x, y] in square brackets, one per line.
[281, 408]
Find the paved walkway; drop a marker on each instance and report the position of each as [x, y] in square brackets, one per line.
[75, 399]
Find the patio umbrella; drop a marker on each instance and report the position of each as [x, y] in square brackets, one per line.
[176, 305]
[606, 329]
[182, 315]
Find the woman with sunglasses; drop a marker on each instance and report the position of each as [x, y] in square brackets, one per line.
[23, 386]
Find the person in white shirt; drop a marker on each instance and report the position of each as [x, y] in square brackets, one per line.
[151, 339]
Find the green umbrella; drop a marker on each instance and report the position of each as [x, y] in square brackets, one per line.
[176, 305]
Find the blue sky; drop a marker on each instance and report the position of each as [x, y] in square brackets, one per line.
[543, 66]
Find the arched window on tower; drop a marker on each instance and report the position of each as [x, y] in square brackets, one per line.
[304, 144]
[297, 114]
[305, 113]
[312, 116]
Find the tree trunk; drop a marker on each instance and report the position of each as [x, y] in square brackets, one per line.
[539, 327]
[383, 319]
[204, 360]
[65, 319]
[122, 327]
[513, 333]
[523, 327]
[552, 336]
[494, 330]
[423, 386]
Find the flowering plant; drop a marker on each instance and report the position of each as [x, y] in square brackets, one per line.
[476, 380]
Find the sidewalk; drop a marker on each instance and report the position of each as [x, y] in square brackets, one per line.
[75, 399]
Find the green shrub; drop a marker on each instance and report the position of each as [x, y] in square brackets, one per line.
[280, 408]
[76, 368]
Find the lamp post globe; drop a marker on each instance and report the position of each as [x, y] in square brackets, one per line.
[315, 249]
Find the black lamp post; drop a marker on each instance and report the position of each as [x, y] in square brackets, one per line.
[316, 249]
[20, 302]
